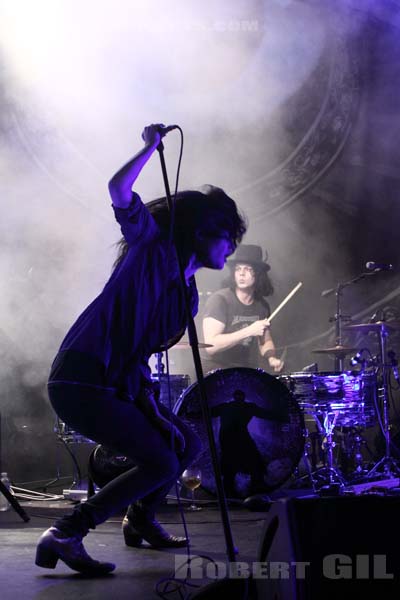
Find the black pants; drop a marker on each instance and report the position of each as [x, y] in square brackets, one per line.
[100, 415]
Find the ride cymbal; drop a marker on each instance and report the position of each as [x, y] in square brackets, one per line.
[377, 326]
[336, 350]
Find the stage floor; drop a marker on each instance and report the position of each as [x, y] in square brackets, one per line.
[345, 523]
[137, 571]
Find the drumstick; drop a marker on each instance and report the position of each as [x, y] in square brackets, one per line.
[282, 304]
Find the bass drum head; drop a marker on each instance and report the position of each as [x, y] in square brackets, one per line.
[258, 429]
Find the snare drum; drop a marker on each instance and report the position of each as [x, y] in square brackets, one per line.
[255, 446]
[350, 395]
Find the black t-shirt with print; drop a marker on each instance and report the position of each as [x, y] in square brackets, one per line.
[225, 307]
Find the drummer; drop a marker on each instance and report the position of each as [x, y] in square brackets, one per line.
[235, 318]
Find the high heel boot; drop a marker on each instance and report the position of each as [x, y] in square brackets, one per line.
[54, 545]
[139, 525]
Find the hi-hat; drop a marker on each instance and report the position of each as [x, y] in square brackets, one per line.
[377, 326]
[336, 350]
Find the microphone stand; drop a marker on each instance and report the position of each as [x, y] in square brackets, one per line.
[193, 340]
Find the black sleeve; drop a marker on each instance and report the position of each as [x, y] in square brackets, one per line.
[137, 224]
[216, 307]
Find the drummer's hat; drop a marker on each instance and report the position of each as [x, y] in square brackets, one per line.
[250, 254]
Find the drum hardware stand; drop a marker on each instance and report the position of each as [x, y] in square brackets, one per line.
[160, 367]
[57, 478]
[359, 471]
[352, 445]
[327, 477]
[357, 456]
[67, 439]
[387, 464]
[315, 437]
[340, 318]
[308, 462]
[9, 496]
[329, 473]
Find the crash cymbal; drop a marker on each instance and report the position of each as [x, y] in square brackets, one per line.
[185, 345]
[377, 326]
[336, 350]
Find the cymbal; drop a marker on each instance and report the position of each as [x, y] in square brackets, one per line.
[186, 345]
[377, 326]
[336, 350]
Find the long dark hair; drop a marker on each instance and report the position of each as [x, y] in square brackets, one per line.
[263, 285]
[210, 211]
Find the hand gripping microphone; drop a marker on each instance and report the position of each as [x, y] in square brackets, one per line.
[374, 266]
[162, 130]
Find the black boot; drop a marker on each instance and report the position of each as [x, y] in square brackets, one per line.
[140, 524]
[54, 545]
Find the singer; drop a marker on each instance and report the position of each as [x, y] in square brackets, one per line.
[100, 381]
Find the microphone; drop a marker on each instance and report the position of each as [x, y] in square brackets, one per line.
[162, 130]
[374, 266]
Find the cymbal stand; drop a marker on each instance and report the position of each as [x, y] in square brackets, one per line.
[308, 461]
[340, 318]
[387, 464]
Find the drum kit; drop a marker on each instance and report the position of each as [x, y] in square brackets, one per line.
[340, 402]
[352, 401]
[346, 400]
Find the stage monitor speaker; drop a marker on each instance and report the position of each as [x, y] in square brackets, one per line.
[330, 548]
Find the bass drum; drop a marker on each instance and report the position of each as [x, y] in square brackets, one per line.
[258, 429]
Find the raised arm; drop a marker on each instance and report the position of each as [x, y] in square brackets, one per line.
[120, 185]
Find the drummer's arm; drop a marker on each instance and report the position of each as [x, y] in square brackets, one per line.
[213, 332]
[268, 351]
